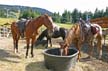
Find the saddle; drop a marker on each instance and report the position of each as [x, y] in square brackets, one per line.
[94, 29]
[21, 26]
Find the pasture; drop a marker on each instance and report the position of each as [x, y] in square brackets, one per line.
[6, 20]
[9, 61]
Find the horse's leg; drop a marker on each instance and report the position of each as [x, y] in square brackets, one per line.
[50, 41]
[78, 46]
[91, 45]
[32, 44]
[17, 43]
[63, 37]
[28, 42]
[99, 45]
[66, 50]
[14, 41]
[47, 43]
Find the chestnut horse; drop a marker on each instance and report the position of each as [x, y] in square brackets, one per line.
[80, 33]
[31, 31]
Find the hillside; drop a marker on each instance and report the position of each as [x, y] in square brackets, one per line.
[22, 8]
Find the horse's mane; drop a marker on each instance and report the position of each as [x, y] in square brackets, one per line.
[73, 33]
[37, 18]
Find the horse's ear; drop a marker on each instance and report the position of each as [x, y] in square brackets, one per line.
[81, 21]
[46, 14]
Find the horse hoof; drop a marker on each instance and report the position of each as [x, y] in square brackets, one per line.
[32, 56]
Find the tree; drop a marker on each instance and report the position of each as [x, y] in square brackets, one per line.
[98, 13]
[2, 13]
[106, 12]
[56, 17]
[29, 13]
[66, 17]
[75, 15]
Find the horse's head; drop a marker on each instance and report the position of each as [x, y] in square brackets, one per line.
[85, 26]
[48, 22]
[63, 46]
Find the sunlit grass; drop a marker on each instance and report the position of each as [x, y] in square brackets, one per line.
[6, 20]
[10, 20]
[65, 25]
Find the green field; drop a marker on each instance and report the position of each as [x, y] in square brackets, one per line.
[10, 20]
[68, 26]
[6, 20]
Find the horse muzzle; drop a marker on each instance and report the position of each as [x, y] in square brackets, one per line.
[61, 52]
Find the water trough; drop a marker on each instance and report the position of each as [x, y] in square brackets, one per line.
[54, 61]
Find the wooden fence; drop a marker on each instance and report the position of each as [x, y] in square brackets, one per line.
[5, 31]
[103, 21]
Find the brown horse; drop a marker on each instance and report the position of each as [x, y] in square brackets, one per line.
[81, 33]
[31, 31]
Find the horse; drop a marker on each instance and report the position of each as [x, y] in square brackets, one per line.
[31, 31]
[58, 32]
[79, 34]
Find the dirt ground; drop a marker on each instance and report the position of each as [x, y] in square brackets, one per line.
[9, 61]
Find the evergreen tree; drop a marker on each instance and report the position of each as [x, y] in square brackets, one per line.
[75, 15]
[2, 13]
[66, 17]
[98, 13]
[29, 13]
[106, 12]
[56, 17]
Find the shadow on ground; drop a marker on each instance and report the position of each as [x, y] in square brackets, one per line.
[36, 66]
[41, 44]
[6, 56]
[85, 49]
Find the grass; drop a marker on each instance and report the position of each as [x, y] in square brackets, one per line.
[6, 20]
[68, 26]
[10, 20]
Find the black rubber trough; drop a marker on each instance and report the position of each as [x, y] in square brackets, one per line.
[54, 61]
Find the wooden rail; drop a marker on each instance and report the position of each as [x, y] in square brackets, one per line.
[4, 31]
[103, 21]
